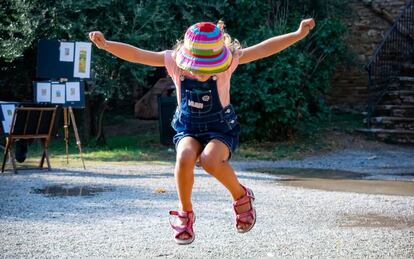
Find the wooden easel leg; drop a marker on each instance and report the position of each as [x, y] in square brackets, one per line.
[75, 129]
[65, 126]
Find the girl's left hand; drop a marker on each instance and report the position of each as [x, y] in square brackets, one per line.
[305, 26]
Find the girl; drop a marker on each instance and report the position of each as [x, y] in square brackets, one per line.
[206, 124]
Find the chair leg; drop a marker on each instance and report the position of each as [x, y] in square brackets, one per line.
[42, 159]
[9, 150]
[45, 155]
[13, 159]
[6, 151]
[47, 159]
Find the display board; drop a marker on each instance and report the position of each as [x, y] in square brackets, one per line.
[63, 59]
[65, 94]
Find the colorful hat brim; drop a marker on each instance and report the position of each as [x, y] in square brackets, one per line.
[204, 65]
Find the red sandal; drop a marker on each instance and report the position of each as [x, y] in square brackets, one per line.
[188, 228]
[247, 217]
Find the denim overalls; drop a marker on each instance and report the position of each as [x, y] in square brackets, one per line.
[201, 115]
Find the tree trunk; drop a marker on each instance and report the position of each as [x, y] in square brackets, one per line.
[100, 136]
[87, 120]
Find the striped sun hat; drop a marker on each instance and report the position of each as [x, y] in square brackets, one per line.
[204, 50]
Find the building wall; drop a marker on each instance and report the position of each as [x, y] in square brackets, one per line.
[366, 30]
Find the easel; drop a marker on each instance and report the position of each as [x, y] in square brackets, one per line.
[63, 60]
[69, 117]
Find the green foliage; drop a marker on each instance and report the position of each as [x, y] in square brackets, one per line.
[271, 95]
[274, 94]
[16, 29]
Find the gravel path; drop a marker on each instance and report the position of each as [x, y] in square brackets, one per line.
[129, 219]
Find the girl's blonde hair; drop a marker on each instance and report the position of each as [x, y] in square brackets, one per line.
[232, 45]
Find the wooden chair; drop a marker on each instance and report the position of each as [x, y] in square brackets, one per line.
[30, 123]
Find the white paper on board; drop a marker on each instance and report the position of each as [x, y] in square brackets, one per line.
[82, 64]
[58, 93]
[7, 110]
[73, 91]
[66, 51]
[43, 92]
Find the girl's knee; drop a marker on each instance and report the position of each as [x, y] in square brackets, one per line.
[186, 156]
[210, 162]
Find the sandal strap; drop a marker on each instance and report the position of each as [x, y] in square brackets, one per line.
[182, 214]
[188, 228]
[246, 217]
[247, 198]
[243, 200]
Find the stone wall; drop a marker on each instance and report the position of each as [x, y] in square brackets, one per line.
[366, 30]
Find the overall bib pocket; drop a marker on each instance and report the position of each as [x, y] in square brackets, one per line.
[199, 101]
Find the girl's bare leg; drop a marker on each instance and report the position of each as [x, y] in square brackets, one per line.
[214, 159]
[188, 151]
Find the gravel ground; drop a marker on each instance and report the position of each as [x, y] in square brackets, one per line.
[130, 218]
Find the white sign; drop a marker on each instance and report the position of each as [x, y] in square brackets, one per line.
[7, 110]
[73, 92]
[43, 92]
[58, 93]
[82, 64]
[66, 51]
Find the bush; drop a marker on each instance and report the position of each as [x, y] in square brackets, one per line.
[273, 94]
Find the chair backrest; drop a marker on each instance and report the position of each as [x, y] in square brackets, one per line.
[32, 122]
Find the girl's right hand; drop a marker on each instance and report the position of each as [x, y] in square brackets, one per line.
[98, 38]
[305, 26]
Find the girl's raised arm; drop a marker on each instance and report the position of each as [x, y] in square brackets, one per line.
[127, 52]
[275, 44]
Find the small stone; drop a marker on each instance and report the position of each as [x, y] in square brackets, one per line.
[160, 190]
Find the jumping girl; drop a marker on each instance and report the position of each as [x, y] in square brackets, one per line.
[205, 121]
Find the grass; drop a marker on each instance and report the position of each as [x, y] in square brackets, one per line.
[145, 146]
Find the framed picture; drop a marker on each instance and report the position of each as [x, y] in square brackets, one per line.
[73, 92]
[42, 92]
[58, 94]
[66, 51]
[82, 64]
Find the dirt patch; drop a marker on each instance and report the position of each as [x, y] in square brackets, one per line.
[339, 140]
[342, 139]
[336, 140]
